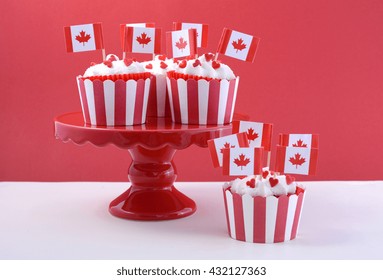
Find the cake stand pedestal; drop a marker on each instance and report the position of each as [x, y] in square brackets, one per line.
[152, 195]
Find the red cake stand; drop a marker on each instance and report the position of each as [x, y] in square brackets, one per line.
[152, 195]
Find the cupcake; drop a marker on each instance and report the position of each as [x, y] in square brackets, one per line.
[158, 103]
[202, 91]
[263, 208]
[114, 92]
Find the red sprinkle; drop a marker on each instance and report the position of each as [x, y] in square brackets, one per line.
[289, 179]
[215, 64]
[149, 66]
[197, 63]
[209, 56]
[128, 61]
[273, 182]
[92, 63]
[299, 190]
[182, 64]
[162, 57]
[108, 63]
[163, 65]
[251, 183]
[112, 58]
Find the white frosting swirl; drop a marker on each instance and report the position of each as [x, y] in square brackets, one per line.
[205, 66]
[264, 185]
[113, 66]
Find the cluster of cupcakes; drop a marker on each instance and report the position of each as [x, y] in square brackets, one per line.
[124, 92]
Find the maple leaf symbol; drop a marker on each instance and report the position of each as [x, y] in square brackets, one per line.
[297, 160]
[143, 39]
[83, 37]
[300, 144]
[226, 145]
[239, 45]
[181, 44]
[241, 161]
[251, 136]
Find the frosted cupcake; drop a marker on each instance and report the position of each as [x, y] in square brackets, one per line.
[202, 91]
[263, 208]
[114, 92]
[158, 103]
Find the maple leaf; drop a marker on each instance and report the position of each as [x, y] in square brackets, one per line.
[144, 39]
[239, 45]
[297, 160]
[241, 161]
[251, 136]
[300, 144]
[226, 145]
[181, 44]
[83, 37]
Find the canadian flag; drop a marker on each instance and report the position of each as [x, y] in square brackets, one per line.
[181, 43]
[242, 161]
[296, 160]
[122, 29]
[238, 45]
[142, 39]
[202, 31]
[84, 37]
[217, 145]
[299, 140]
[258, 134]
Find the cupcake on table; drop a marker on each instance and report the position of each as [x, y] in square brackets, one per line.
[264, 206]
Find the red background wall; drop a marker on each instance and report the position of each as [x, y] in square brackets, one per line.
[318, 70]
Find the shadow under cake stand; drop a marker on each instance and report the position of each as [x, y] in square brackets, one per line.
[152, 195]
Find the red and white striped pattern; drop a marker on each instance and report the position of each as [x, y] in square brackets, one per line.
[112, 103]
[158, 103]
[201, 101]
[263, 219]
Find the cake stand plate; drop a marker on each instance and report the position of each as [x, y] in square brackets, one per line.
[152, 195]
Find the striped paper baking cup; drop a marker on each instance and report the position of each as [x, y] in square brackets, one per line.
[263, 219]
[202, 101]
[114, 103]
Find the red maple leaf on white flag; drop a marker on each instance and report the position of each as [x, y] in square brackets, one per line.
[300, 144]
[143, 39]
[227, 145]
[181, 44]
[297, 160]
[241, 161]
[239, 45]
[83, 37]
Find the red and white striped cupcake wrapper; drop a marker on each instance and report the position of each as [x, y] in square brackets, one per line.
[114, 103]
[201, 101]
[158, 103]
[263, 219]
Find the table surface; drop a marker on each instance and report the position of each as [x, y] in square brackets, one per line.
[70, 220]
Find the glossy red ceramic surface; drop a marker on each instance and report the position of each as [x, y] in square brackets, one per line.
[152, 195]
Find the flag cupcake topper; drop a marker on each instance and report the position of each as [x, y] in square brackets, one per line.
[217, 145]
[201, 29]
[84, 37]
[242, 161]
[139, 39]
[122, 31]
[258, 134]
[296, 160]
[181, 43]
[238, 45]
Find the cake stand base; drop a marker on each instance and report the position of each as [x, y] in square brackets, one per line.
[142, 204]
